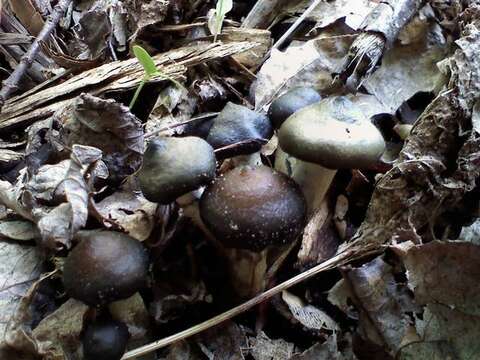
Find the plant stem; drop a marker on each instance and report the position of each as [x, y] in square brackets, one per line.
[137, 93]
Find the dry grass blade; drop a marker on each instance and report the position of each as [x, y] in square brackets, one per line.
[349, 254]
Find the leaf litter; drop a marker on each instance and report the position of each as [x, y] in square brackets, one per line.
[394, 248]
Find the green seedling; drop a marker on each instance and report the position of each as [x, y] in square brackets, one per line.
[222, 9]
[151, 71]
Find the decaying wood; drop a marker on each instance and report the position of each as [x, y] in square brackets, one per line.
[379, 31]
[10, 85]
[115, 76]
[263, 13]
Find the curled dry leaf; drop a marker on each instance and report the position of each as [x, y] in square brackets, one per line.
[108, 126]
[131, 212]
[144, 13]
[59, 224]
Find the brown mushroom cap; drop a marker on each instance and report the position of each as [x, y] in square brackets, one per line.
[333, 133]
[105, 266]
[253, 207]
[173, 167]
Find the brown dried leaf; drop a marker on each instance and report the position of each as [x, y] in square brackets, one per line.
[108, 126]
[445, 273]
[58, 335]
[131, 212]
[336, 347]
[26, 12]
[382, 303]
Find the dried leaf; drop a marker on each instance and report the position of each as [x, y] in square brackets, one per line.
[264, 348]
[58, 335]
[308, 315]
[445, 273]
[131, 212]
[329, 350]
[382, 303]
[20, 266]
[223, 342]
[26, 12]
[19, 230]
[310, 63]
[108, 126]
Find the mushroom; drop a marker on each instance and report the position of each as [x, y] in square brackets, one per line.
[253, 212]
[321, 138]
[290, 102]
[173, 167]
[105, 266]
[239, 125]
[105, 340]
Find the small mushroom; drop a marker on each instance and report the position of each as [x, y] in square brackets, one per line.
[238, 125]
[105, 340]
[105, 266]
[173, 167]
[321, 138]
[289, 103]
[252, 212]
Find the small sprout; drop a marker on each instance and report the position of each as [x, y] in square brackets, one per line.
[150, 69]
[216, 22]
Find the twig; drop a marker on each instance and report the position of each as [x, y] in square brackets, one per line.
[170, 127]
[339, 259]
[11, 84]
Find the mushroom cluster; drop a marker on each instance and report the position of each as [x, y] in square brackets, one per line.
[253, 214]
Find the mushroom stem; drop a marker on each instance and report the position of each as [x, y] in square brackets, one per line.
[313, 179]
[247, 271]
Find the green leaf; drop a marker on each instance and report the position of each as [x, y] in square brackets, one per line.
[223, 7]
[146, 60]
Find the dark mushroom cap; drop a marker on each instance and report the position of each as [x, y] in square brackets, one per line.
[333, 133]
[105, 340]
[290, 102]
[236, 124]
[253, 207]
[173, 167]
[105, 266]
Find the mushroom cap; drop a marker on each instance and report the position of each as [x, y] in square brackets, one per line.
[105, 340]
[290, 102]
[173, 167]
[333, 133]
[105, 266]
[253, 207]
[236, 124]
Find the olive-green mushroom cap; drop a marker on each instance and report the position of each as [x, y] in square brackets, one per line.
[333, 133]
[105, 266]
[253, 207]
[289, 103]
[173, 167]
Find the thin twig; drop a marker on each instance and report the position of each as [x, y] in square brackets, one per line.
[170, 127]
[11, 84]
[340, 259]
